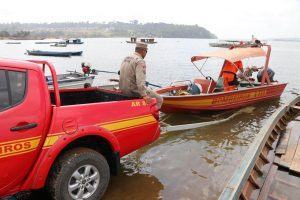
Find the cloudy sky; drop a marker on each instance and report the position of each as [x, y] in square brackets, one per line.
[225, 18]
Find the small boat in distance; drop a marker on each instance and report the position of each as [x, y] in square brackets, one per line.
[74, 41]
[206, 94]
[54, 53]
[72, 79]
[13, 42]
[59, 44]
[233, 43]
[236, 43]
[134, 40]
[45, 42]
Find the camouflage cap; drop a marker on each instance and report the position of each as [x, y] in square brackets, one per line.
[141, 45]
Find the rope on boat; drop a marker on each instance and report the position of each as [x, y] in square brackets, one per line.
[170, 128]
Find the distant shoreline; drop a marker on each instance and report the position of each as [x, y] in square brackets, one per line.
[62, 38]
[27, 31]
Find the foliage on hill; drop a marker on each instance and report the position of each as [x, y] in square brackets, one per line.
[111, 29]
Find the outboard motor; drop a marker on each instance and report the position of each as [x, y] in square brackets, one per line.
[194, 88]
[270, 72]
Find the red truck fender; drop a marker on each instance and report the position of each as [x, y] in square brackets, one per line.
[38, 175]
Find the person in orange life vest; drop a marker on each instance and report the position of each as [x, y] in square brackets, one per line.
[229, 72]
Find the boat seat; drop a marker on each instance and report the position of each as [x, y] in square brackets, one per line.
[246, 84]
[219, 85]
[206, 85]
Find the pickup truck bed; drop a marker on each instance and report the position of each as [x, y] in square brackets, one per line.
[68, 141]
[88, 95]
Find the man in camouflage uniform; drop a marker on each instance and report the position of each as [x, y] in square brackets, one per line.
[133, 76]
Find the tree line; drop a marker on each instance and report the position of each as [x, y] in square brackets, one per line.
[110, 29]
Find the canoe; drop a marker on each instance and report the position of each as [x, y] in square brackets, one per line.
[206, 94]
[54, 53]
[270, 169]
[72, 79]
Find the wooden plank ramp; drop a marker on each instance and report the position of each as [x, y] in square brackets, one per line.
[287, 158]
[295, 166]
[283, 142]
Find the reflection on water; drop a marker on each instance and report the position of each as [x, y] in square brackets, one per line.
[193, 164]
[126, 187]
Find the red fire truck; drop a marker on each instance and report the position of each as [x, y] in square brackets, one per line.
[66, 141]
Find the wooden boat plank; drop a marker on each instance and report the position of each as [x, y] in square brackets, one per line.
[268, 182]
[240, 179]
[295, 166]
[273, 197]
[284, 185]
[297, 118]
[296, 107]
[237, 181]
[287, 158]
[283, 142]
[276, 160]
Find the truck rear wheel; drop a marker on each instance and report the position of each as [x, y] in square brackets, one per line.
[81, 173]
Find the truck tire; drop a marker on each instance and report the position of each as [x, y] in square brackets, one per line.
[81, 173]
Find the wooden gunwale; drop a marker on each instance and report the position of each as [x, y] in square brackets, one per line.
[242, 184]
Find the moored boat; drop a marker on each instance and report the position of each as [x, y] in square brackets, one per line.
[206, 94]
[59, 44]
[72, 79]
[54, 53]
[270, 169]
[134, 40]
[45, 42]
[74, 41]
[236, 43]
[75, 53]
[13, 42]
[233, 43]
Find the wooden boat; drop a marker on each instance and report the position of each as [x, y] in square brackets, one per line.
[270, 169]
[54, 53]
[212, 95]
[72, 79]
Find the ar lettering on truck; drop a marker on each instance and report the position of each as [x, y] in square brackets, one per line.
[18, 147]
[138, 103]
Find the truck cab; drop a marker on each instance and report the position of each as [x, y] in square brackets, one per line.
[67, 141]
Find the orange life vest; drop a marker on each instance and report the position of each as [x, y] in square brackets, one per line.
[229, 71]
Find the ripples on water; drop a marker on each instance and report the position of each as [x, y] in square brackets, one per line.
[192, 164]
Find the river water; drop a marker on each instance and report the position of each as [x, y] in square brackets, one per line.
[192, 164]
